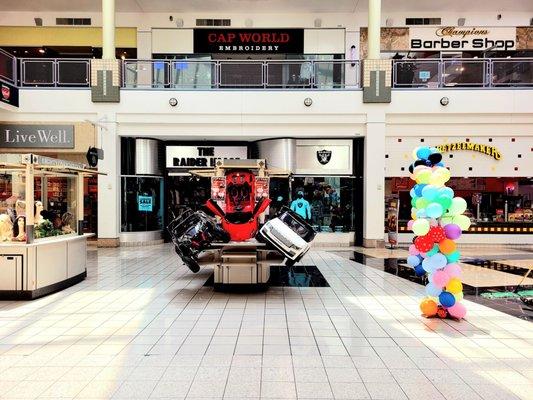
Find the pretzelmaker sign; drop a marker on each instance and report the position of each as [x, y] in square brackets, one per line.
[249, 41]
[455, 38]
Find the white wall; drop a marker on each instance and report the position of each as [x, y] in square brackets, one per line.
[303, 20]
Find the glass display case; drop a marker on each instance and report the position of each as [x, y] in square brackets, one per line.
[42, 246]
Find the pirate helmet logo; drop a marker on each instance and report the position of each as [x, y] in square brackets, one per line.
[6, 92]
[323, 156]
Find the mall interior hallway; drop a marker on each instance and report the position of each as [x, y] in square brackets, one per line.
[142, 326]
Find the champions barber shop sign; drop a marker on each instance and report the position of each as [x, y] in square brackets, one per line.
[251, 41]
[460, 38]
[37, 136]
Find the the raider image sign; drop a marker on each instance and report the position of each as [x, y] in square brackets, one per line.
[454, 38]
[249, 41]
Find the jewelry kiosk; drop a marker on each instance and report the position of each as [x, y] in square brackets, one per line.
[42, 247]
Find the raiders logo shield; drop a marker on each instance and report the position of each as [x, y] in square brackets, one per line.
[6, 92]
[323, 156]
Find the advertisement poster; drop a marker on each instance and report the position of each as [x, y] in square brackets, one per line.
[392, 205]
[261, 188]
[218, 190]
[145, 203]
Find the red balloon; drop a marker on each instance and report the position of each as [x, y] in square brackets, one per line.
[423, 243]
[437, 234]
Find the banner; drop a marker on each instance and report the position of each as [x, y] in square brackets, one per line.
[37, 136]
[220, 40]
[461, 38]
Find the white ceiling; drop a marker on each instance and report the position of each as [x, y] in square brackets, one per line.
[268, 6]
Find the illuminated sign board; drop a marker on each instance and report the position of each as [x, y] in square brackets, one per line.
[480, 148]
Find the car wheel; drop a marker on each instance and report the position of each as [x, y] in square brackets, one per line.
[191, 263]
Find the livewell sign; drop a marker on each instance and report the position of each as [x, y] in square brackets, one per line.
[37, 136]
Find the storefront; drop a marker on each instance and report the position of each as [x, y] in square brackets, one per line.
[64, 140]
[491, 173]
[328, 172]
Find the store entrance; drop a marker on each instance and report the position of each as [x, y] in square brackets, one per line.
[185, 191]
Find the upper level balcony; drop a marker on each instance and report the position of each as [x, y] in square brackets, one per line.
[421, 74]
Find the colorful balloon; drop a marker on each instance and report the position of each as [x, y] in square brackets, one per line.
[429, 192]
[413, 261]
[447, 246]
[434, 210]
[421, 227]
[440, 278]
[462, 221]
[458, 206]
[429, 307]
[458, 310]
[453, 270]
[453, 257]
[446, 299]
[423, 153]
[413, 251]
[433, 290]
[454, 286]
[452, 231]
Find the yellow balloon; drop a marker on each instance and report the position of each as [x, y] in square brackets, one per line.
[423, 176]
[454, 286]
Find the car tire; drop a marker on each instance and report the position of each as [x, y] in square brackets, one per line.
[191, 263]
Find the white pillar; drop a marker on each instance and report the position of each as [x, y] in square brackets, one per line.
[374, 29]
[374, 183]
[109, 185]
[108, 29]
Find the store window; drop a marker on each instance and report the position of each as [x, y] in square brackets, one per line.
[185, 192]
[142, 204]
[503, 203]
[331, 200]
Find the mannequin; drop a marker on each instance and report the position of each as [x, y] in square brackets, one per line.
[20, 207]
[19, 229]
[38, 217]
[67, 220]
[6, 228]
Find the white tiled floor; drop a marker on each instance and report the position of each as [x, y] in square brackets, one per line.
[141, 326]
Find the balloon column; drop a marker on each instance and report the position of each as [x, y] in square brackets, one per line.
[437, 221]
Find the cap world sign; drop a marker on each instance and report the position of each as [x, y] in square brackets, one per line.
[37, 136]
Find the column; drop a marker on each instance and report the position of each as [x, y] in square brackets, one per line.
[374, 180]
[109, 185]
[108, 29]
[374, 29]
[106, 73]
[376, 72]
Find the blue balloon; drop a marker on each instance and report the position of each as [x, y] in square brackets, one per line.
[413, 261]
[446, 191]
[434, 210]
[419, 188]
[428, 265]
[453, 257]
[446, 299]
[419, 271]
[412, 192]
[434, 291]
[423, 153]
[430, 192]
[421, 213]
[439, 261]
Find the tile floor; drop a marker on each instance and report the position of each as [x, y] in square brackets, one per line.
[141, 326]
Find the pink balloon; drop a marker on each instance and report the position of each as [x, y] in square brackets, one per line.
[410, 224]
[413, 251]
[458, 310]
[440, 278]
[453, 270]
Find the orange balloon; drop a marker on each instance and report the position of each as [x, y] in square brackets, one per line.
[428, 307]
[447, 246]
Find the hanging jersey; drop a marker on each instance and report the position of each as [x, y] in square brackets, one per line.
[302, 208]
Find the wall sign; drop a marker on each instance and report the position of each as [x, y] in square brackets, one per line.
[145, 203]
[454, 38]
[481, 148]
[249, 41]
[191, 157]
[324, 157]
[9, 94]
[37, 136]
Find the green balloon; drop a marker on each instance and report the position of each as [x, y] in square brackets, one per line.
[458, 206]
[413, 201]
[444, 201]
[433, 251]
[453, 257]
[421, 203]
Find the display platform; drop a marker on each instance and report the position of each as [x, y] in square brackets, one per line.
[243, 266]
[32, 270]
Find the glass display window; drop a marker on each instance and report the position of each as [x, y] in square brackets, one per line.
[142, 204]
[13, 206]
